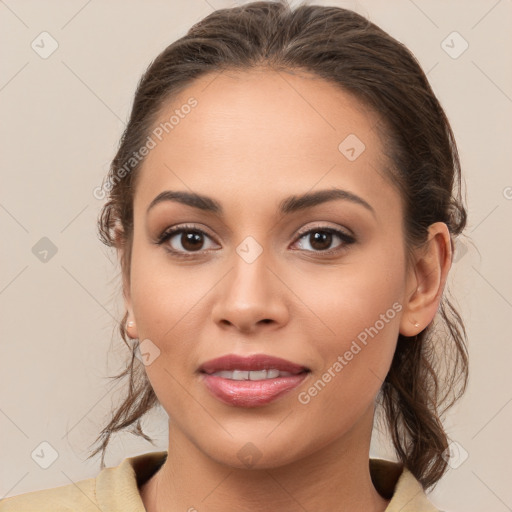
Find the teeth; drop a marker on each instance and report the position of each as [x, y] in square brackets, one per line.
[251, 374]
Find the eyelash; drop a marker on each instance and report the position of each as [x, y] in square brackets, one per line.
[169, 233]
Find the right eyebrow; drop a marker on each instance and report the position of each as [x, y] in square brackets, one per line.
[192, 199]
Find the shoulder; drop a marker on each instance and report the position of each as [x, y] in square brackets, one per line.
[115, 488]
[79, 496]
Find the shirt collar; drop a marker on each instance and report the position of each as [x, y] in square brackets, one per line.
[117, 488]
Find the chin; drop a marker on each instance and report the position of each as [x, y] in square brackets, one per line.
[257, 450]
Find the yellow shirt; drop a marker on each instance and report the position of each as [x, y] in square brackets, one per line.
[116, 489]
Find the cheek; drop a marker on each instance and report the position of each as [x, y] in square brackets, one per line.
[169, 309]
[165, 304]
[360, 310]
[163, 294]
[355, 363]
[346, 300]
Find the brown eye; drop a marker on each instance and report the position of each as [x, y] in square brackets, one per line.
[191, 241]
[321, 239]
[184, 240]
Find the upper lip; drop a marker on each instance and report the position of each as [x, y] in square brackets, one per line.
[254, 362]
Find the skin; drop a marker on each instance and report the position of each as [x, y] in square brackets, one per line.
[254, 139]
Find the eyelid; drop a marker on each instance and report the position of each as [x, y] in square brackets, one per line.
[325, 227]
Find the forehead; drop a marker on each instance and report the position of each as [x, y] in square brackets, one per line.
[288, 130]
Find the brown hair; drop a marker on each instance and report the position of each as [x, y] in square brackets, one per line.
[344, 48]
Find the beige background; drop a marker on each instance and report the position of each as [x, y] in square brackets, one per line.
[62, 119]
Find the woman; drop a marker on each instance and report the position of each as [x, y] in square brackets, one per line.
[284, 203]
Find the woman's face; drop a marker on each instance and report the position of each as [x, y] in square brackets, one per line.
[318, 283]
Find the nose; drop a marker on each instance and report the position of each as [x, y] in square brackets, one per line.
[251, 297]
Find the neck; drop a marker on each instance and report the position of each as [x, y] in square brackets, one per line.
[335, 477]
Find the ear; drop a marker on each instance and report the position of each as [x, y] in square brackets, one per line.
[426, 280]
[131, 326]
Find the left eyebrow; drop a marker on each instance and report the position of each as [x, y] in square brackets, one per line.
[287, 206]
[310, 199]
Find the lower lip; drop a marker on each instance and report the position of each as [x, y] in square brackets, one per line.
[251, 393]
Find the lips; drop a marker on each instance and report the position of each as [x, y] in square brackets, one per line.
[251, 381]
[253, 363]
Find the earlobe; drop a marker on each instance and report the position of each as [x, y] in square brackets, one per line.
[427, 280]
[131, 329]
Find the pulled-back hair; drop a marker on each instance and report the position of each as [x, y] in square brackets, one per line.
[429, 372]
